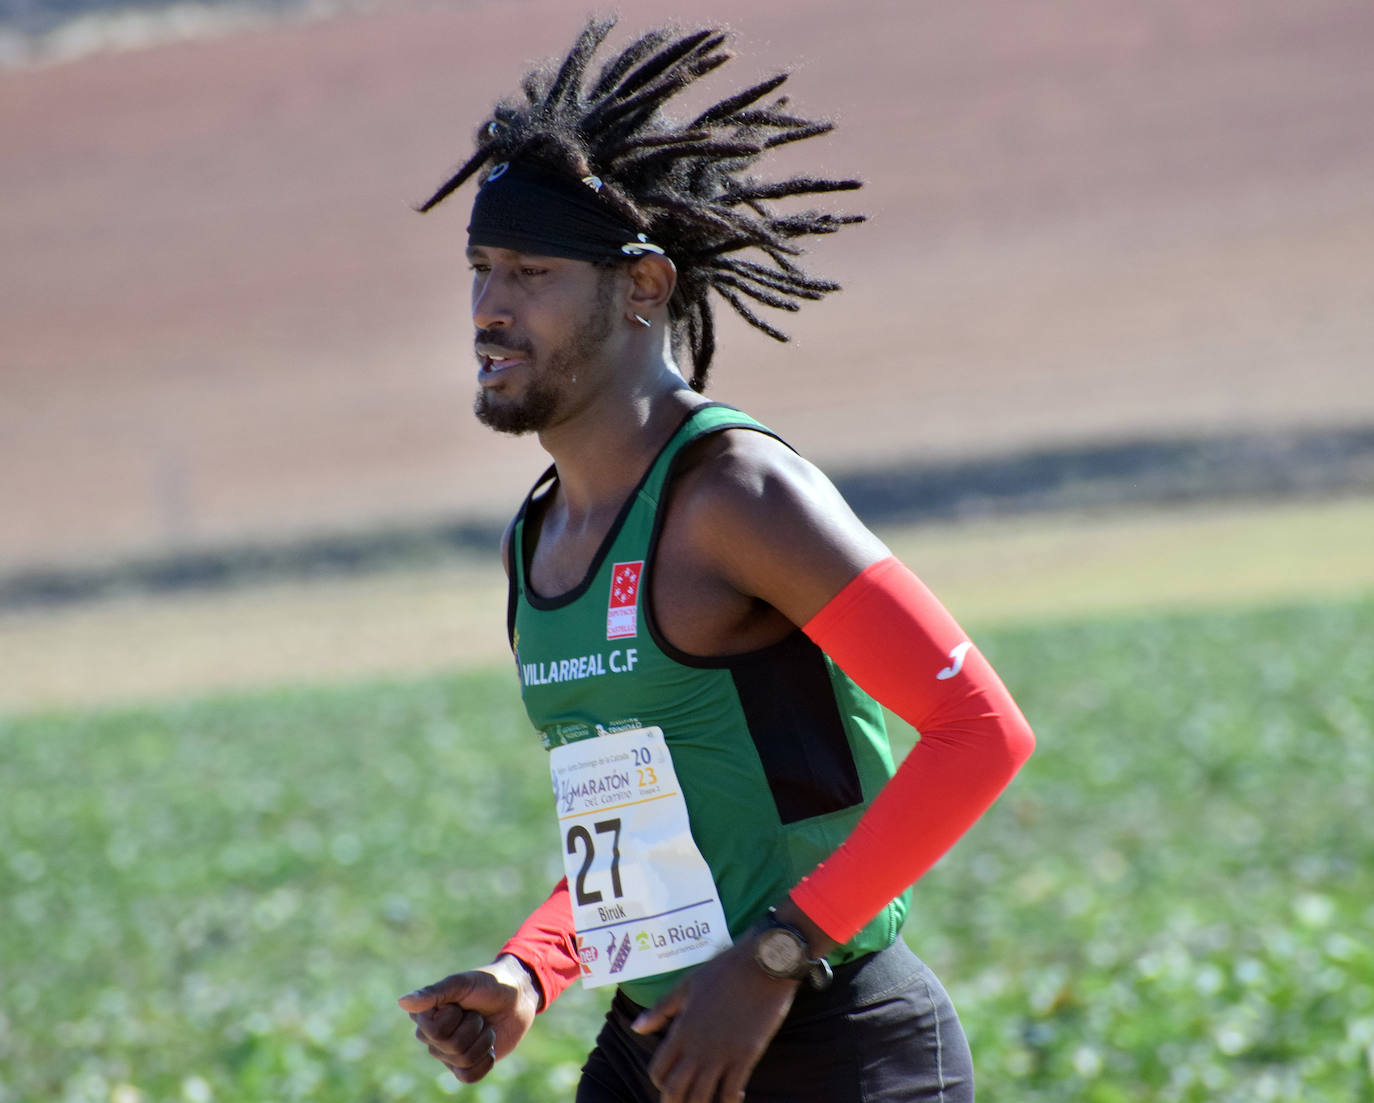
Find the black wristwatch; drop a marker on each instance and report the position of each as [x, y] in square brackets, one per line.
[781, 951]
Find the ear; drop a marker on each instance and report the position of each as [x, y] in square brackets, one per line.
[652, 280]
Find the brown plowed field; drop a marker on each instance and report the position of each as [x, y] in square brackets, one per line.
[220, 320]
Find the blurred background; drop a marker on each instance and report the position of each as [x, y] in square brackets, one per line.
[230, 349]
[1102, 374]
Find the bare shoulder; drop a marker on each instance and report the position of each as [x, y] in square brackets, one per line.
[740, 477]
[769, 521]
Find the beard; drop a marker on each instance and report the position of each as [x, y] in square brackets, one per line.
[537, 408]
[532, 412]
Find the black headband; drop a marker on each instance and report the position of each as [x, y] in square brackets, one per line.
[532, 210]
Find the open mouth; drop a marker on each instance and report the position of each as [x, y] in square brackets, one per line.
[494, 360]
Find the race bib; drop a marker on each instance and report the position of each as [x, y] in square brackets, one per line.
[643, 898]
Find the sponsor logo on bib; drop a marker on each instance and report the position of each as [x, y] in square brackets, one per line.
[586, 955]
[624, 603]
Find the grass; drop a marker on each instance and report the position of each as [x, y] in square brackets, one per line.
[998, 571]
[400, 623]
[220, 899]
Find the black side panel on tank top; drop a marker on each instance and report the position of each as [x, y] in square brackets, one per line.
[795, 723]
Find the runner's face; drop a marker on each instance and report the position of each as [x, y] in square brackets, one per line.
[540, 321]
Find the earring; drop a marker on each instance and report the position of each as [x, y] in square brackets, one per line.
[642, 321]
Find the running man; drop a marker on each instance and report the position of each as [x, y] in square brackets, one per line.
[704, 630]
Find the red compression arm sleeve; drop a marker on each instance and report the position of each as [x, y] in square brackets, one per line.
[894, 638]
[547, 943]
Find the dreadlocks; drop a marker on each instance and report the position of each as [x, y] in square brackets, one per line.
[684, 186]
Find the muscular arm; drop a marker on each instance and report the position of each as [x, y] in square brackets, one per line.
[773, 528]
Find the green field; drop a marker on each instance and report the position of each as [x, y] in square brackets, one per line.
[220, 900]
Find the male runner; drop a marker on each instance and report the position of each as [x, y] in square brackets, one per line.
[702, 627]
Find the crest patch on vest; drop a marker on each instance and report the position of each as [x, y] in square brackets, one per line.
[624, 602]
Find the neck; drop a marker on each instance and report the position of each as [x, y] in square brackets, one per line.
[603, 448]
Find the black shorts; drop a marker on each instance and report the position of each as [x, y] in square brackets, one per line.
[885, 1030]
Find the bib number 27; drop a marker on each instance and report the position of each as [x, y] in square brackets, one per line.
[579, 839]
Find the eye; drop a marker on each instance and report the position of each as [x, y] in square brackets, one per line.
[531, 270]
[475, 267]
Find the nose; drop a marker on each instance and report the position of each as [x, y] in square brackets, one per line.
[491, 307]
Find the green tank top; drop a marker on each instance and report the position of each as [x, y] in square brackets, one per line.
[777, 751]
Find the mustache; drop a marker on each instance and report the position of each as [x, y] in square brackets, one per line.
[501, 339]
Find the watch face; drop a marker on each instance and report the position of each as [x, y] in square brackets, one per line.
[778, 952]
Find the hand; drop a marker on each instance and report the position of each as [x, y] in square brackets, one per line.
[470, 1020]
[720, 1020]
